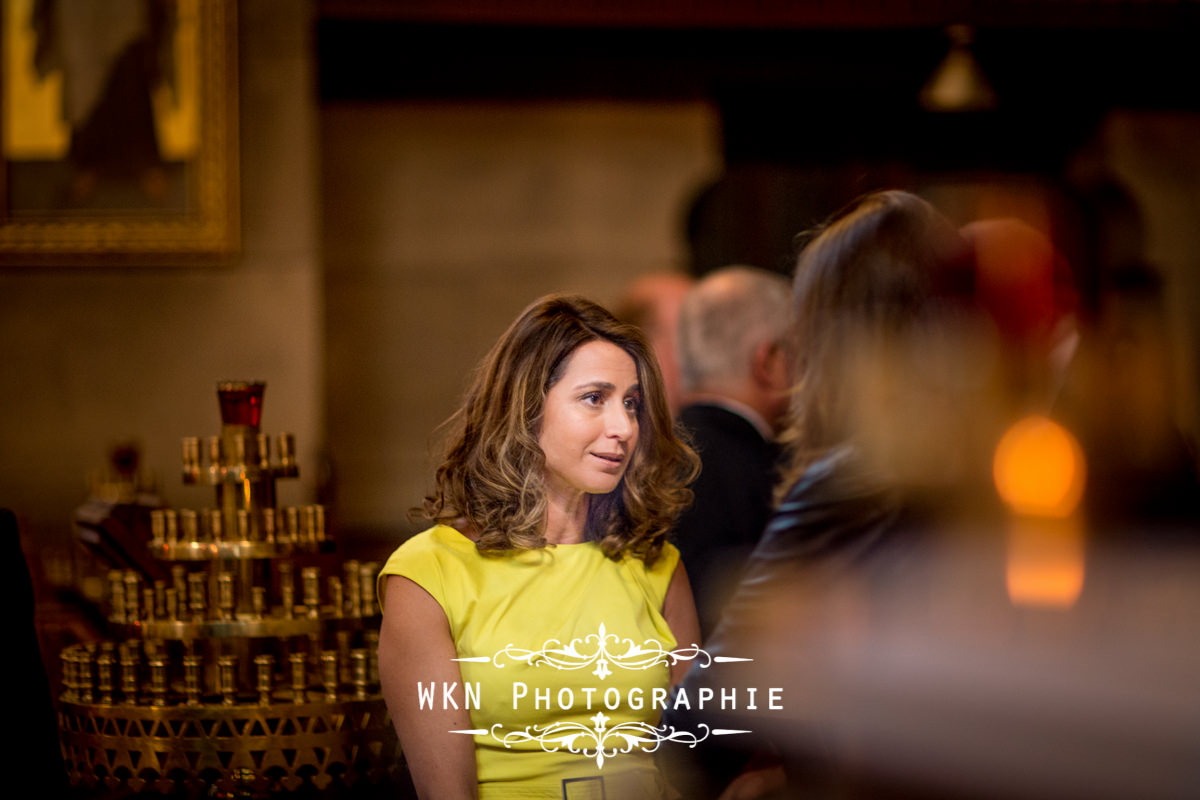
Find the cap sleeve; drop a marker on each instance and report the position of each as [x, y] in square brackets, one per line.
[417, 559]
[658, 577]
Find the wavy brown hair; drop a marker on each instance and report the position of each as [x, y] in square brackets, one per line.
[493, 472]
[881, 266]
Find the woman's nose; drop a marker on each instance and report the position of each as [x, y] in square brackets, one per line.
[618, 422]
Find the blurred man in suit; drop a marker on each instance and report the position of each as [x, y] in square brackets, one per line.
[735, 378]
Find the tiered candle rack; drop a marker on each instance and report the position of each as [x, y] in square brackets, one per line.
[220, 679]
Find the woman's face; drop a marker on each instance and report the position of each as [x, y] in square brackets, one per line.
[590, 423]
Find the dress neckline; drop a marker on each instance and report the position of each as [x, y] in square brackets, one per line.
[569, 547]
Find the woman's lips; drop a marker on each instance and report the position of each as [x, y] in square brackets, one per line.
[613, 460]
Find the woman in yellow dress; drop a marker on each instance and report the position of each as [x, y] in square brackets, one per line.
[525, 650]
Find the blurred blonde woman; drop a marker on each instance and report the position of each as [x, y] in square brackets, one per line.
[882, 305]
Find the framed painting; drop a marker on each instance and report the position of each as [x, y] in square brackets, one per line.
[119, 132]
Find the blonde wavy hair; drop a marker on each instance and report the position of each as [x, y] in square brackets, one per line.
[493, 473]
[879, 267]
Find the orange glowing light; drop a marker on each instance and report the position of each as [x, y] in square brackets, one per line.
[1046, 562]
[1039, 468]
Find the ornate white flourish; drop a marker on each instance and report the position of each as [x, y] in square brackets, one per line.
[600, 742]
[603, 650]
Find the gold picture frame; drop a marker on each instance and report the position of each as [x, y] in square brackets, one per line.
[118, 132]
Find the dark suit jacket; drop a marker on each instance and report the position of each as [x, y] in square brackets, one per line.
[835, 519]
[733, 499]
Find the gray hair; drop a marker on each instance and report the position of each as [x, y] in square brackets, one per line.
[724, 319]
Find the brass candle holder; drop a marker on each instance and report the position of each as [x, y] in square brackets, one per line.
[221, 685]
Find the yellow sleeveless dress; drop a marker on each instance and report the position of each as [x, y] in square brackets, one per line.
[567, 646]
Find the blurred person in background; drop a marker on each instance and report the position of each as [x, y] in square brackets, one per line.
[735, 379]
[929, 602]
[651, 302]
[890, 377]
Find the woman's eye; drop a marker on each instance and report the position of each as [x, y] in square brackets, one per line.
[632, 404]
[592, 398]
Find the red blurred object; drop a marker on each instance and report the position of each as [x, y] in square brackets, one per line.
[241, 402]
[1021, 278]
